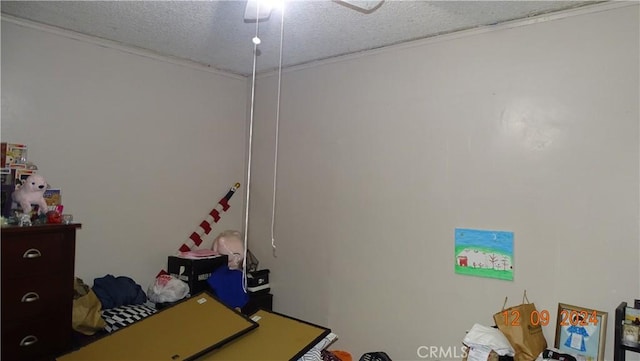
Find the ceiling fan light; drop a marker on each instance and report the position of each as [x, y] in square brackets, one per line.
[258, 9]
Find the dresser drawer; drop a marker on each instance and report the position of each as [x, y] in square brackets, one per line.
[37, 272]
[42, 339]
[24, 298]
[40, 253]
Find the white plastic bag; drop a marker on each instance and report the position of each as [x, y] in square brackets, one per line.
[167, 288]
[490, 337]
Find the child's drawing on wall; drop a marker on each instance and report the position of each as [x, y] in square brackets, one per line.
[484, 253]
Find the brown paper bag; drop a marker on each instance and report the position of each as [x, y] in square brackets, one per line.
[86, 317]
[525, 337]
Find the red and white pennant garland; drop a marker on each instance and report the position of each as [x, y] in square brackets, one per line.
[195, 239]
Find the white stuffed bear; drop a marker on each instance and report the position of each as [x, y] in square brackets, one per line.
[31, 192]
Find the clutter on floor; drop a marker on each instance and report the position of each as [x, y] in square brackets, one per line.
[517, 335]
[525, 335]
[162, 336]
[375, 356]
[215, 332]
[109, 317]
[278, 337]
[122, 304]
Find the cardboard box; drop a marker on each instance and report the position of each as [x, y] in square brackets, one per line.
[12, 154]
[195, 272]
[22, 174]
[53, 197]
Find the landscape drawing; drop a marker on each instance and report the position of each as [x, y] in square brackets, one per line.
[484, 253]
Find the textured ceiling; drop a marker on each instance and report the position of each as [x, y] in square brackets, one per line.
[214, 33]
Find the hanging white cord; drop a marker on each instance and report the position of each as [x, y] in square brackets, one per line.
[275, 161]
[256, 41]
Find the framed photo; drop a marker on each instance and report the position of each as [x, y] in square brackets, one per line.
[581, 331]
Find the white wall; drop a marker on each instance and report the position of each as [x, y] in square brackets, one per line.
[141, 147]
[531, 128]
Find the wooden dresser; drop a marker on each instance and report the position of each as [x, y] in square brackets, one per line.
[37, 291]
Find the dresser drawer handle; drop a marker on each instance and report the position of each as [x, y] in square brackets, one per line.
[30, 297]
[28, 340]
[32, 253]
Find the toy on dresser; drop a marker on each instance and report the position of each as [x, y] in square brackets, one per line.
[230, 243]
[31, 192]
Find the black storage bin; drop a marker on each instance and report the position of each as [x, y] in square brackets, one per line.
[258, 281]
[258, 301]
[196, 271]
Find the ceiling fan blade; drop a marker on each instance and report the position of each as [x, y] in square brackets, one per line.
[257, 10]
[362, 5]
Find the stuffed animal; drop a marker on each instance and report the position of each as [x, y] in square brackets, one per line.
[32, 192]
[230, 243]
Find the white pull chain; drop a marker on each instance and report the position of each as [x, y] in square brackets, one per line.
[256, 41]
[275, 158]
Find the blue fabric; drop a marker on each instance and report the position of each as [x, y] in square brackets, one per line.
[580, 331]
[118, 291]
[227, 285]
